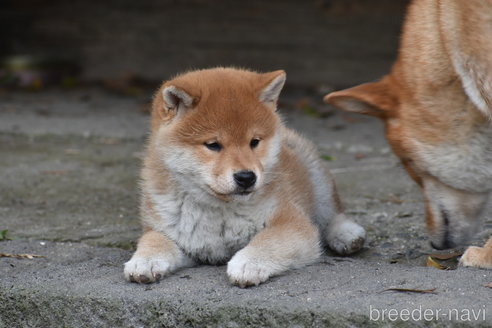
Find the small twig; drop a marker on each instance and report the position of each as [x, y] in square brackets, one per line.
[410, 290]
[21, 256]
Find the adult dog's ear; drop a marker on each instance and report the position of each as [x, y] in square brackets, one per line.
[272, 84]
[375, 99]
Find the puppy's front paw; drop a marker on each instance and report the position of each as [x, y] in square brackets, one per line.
[476, 257]
[146, 270]
[347, 237]
[245, 272]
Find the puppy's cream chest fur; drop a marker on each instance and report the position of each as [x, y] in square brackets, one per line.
[210, 232]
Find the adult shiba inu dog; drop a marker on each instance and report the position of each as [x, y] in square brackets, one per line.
[437, 107]
[224, 181]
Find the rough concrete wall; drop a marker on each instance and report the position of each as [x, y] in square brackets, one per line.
[337, 42]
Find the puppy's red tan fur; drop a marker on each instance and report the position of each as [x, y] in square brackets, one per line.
[437, 107]
[224, 181]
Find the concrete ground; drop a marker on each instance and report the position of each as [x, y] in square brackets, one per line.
[69, 163]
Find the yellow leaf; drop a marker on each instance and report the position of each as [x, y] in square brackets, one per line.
[432, 263]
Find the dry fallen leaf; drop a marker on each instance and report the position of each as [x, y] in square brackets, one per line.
[444, 261]
[21, 256]
[411, 290]
[432, 263]
[449, 256]
[489, 285]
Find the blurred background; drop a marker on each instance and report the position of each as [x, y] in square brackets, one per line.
[128, 44]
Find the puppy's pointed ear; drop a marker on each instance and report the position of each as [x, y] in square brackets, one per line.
[272, 84]
[176, 98]
[173, 100]
[375, 99]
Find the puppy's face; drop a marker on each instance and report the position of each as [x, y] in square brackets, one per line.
[217, 130]
[420, 138]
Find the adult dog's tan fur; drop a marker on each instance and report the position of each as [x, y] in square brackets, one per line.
[437, 107]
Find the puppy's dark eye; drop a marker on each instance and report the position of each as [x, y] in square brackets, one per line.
[254, 143]
[215, 146]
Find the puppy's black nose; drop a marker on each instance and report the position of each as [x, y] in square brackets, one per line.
[245, 179]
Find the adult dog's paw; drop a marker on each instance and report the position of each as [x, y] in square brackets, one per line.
[476, 257]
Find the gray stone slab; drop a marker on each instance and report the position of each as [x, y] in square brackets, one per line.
[80, 286]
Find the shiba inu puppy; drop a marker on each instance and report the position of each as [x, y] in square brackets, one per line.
[224, 181]
[437, 107]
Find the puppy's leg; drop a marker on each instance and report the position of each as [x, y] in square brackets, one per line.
[290, 240]
[345, 236]
[155, 257]
[480, 257]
